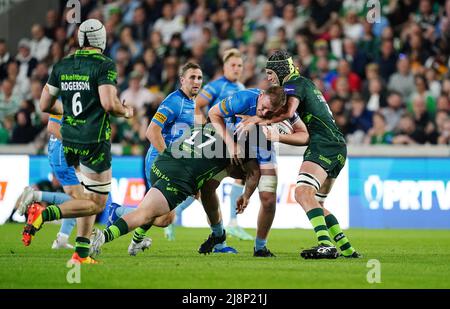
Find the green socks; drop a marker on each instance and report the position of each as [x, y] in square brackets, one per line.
[317, 220]
[139, 234]
[119, 228]
[51, 213]
[82, 246]
[338, 236]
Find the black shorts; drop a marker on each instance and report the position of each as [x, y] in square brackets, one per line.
[330, 156]
[96, 156]
[170, 177]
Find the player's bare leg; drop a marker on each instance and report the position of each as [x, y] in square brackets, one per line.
[333, 226]
[216, 241]
[267, 194]
[152, 206]
[309, 181]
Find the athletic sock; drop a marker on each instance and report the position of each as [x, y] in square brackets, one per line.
[338, 236]
[260, 243]
[51, 213]
[82, 245]
[54, 197]
[236, 191]
[122, 210]
[139, 234]
[217, 229]
[67, 225]
[119, 228]
[317, 220]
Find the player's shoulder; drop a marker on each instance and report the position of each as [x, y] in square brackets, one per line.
[298, 80]
[173, 98]
[250, 92]
[216, 83]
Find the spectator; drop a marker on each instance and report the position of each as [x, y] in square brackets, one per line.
[360, 120]
[26, 61]
[444, 137]
[40, 44]
[422, 118]
[193, 32]
[126, 40]
[5, 58]
[140, 27]
[51, 24]
[153, 66]
[378, 134]
[21, 86]
[136, 95]
[443, 103]
[394, 110]
[353, 29]
[407, 133]
[168, 24]
[357, 58]
[9, 103]
[24, 132]
[344, 71]
[377, 95]
[253, 10]
[337, 107]
[402, 80]
[290, 21]
[387, 59]
[423, 91]
[269, 20]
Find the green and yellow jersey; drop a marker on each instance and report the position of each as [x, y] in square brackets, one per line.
[314, 110]
[77, 78]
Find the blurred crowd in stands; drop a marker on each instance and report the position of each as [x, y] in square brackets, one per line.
[386, 82]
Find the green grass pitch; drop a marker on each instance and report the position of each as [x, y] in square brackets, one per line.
[408, 259]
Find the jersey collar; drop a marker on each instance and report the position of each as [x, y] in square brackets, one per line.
[84, 52]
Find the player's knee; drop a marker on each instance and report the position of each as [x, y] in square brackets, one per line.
[268, 184]
[99, 202]
[268, 200]
[304, 195]
[164, 220]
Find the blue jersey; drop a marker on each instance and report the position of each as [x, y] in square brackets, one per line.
[174, 115]
[64, 173]
[219, 89]
[242, 102]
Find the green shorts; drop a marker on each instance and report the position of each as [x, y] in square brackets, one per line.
[170, 177]
[330, 156]
[97, 156]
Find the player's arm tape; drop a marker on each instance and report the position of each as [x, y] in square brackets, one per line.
[268, 183]
[54, 91]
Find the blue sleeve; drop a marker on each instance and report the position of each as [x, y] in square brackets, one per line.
[209, 93]
[235, 104]
[167, 113]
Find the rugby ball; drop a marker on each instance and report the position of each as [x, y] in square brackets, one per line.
[284, 127]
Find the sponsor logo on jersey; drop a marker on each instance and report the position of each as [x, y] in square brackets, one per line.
[160, 117]
[223, 106]
[206, 94]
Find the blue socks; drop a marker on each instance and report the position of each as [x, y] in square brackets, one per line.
[55, 198]
[260, 243]
[120, 211]
[236, 191]
[217, 230]
[182, 206]
[67, 226]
